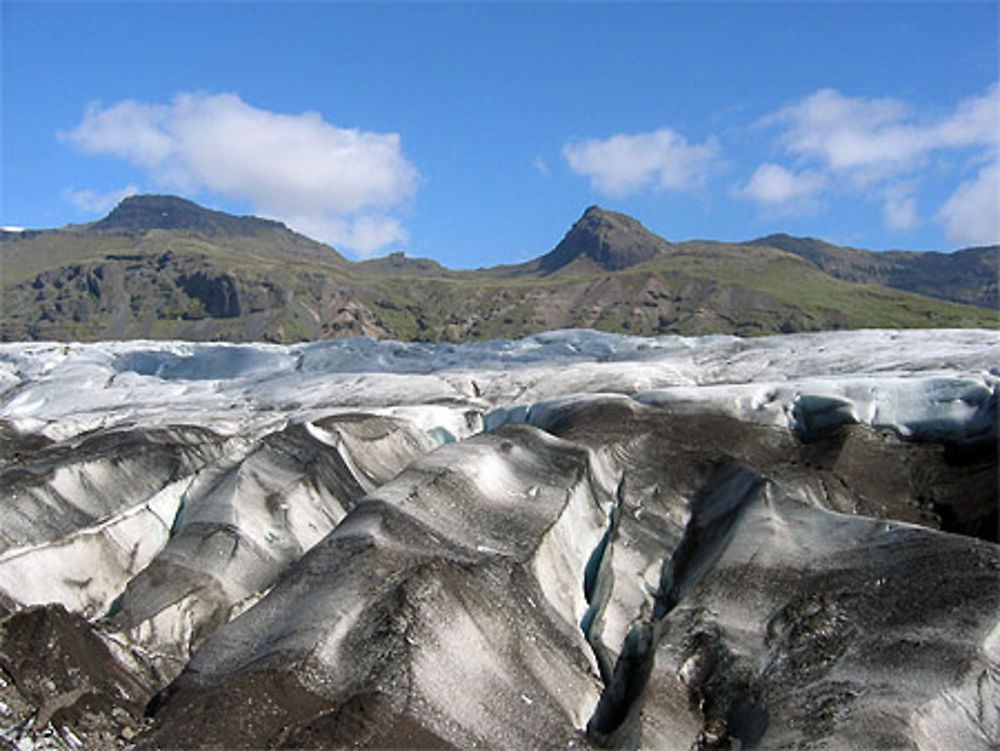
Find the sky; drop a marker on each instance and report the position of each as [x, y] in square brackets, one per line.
[477, 133]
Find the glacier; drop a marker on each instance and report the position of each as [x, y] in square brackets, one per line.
[572, 540]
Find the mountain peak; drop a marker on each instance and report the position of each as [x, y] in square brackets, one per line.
[141, 213]
[612, 240]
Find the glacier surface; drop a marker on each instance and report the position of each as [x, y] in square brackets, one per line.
[575, 539]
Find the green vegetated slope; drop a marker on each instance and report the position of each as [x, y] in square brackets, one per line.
[966, 276]
[162, 267]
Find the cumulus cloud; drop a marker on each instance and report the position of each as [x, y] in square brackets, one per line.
[365, 234]
[877, 146]
[299, 168]
[91, 202]
[625, 164]
[541, 166]
[848, 133]
[900, 209]
[843, 132]
[778, 187]
[972, 214]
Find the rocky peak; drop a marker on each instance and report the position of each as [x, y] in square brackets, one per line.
[147, 212]
[612, 240]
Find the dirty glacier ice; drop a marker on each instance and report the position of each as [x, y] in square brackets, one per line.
[571, 540]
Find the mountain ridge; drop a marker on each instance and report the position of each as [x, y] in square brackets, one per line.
[611, 240]
[967, 275]
[163, 267]
[142, 213]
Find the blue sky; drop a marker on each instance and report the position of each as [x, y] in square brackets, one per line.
[476, 134]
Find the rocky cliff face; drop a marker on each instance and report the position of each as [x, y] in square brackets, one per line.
[574, 540]
[610, 240]
[140, 214]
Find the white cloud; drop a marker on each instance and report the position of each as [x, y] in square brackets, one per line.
[131, 130]
[628, 163]
[285, 165]
[976, 122]
[900, 209]
[541, 166]
[859, 133]
[99, 203]
[366, 234]
[843, 132]
[778, 187]
[972, 214]
[878, 147]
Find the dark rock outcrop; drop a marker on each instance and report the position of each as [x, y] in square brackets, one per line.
[143, 213]
[610, 240]
[218, 293]
[60, 680]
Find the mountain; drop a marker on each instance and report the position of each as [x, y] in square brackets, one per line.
[140, 214]
[965, 276]
[160, 267]
[574, 540]
[603, 240]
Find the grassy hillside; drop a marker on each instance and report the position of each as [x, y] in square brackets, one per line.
[966, 276]
[240, 279]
